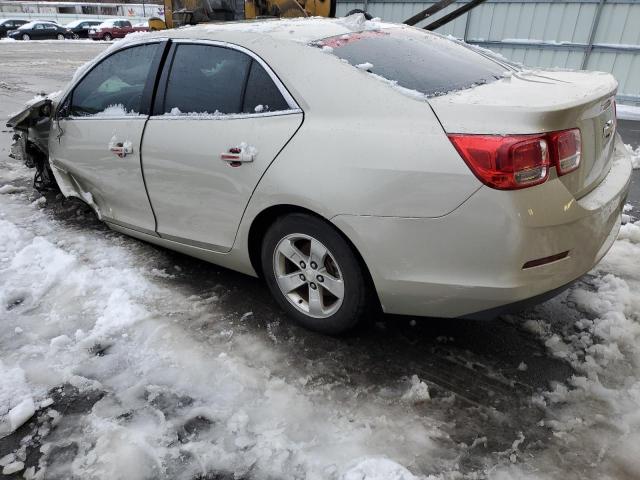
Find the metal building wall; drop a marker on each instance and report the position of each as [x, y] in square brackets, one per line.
[592, 34]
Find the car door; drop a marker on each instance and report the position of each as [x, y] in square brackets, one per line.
[51, 31]
[97, 132]
[6, 27]
[221, 117]
[37, 32]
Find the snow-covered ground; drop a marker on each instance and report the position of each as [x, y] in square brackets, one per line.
[120, 360]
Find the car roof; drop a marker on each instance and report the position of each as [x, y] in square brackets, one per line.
[297, 30]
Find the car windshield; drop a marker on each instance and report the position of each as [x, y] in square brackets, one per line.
[74, 24]
[27, 26]
[414, 59]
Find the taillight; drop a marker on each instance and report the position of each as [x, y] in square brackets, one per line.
[505, 162]
[511, 162]
[567, 151]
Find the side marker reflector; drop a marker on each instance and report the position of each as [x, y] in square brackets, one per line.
[545, 260]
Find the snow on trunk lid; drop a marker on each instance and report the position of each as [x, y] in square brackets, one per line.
[527, 102]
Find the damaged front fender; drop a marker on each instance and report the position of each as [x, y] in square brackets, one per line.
[32, 127]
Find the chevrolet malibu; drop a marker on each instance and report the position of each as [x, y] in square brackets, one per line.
[355, 165]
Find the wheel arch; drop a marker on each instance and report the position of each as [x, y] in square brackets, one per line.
[266, 217]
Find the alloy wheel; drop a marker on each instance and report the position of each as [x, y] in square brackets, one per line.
[60, 36]
[308, 275]
[26, 37]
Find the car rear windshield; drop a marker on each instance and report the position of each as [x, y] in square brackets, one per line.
[416, 60]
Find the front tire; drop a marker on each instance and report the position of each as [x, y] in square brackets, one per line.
[26, 37]
[107, 37]
[60, 36]
[315, 275]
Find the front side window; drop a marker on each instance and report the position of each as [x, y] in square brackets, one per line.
[114, 87]
[211, 80]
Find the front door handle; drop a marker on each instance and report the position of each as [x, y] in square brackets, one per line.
[121, 149]
[236, 156]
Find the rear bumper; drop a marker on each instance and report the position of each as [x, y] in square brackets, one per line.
[472, 259]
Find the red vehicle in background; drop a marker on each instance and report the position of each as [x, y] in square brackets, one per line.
[115, 28]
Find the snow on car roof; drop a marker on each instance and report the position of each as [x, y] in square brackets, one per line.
[301, 30]
[111, 21]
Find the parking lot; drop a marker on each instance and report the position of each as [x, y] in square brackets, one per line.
[149, 364]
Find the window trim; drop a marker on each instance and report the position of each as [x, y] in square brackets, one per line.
[158, 106]
[147, 96]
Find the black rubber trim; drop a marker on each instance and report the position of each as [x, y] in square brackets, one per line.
[161, 90]
[148, 94]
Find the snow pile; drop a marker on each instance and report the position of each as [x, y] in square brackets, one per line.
[117, 110]
[595, 414]
[378, 469]
[635, 156]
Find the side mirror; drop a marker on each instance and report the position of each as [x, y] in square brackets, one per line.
[45, 109]
[65, 109]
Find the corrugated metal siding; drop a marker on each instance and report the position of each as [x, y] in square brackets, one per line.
[543, 33]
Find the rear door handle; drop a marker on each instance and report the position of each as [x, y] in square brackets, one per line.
[236, 156]
[121, 149]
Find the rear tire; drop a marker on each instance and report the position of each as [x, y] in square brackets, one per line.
[25, 37]
[315, 275]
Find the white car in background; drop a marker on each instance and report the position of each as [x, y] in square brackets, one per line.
[354, 165]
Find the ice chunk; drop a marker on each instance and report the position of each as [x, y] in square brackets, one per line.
[13, 468]
[365, 66]
[418, 392]
[377, 469]
[11, 189]
[21, 413]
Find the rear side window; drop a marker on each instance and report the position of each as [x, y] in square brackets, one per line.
[262, 95]
[206, 79]
[416, 60]
[212, 80]
[115, 85]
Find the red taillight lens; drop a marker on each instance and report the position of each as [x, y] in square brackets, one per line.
[505, 162]
[567, 151]
[510, 162]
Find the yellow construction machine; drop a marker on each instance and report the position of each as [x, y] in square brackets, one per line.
[192, 12]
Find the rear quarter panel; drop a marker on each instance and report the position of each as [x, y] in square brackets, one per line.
[364, 148]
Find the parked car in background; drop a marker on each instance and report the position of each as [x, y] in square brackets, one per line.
[8, 24]
[40, 31]
[80, 28]
[117, 28]
[459, 190]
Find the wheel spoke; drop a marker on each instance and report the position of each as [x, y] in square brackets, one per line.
[318, 252]
[315, 302]
[292, 253]
[290, 282]
[333, 285]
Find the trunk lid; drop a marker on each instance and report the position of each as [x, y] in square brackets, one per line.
[538, 102]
